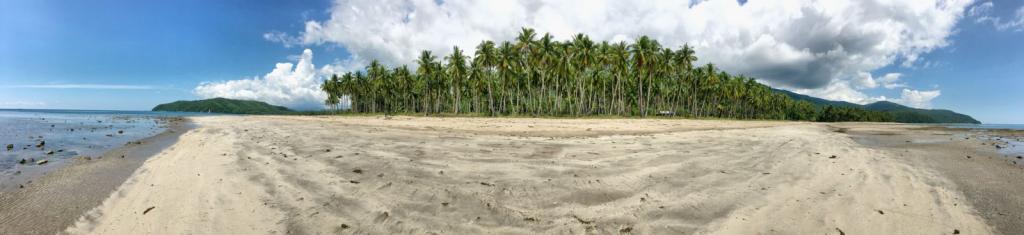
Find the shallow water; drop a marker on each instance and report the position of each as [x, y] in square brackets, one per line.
[988, 126]
[34, 134]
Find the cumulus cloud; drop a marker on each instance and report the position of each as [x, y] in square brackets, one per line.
[296, 86]
[865, 80]
[845, 90]
[918, 99]
[793, 43]
[982, 13]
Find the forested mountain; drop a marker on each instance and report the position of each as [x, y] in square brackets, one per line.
[899, 113]
[539, 76]
[223, 105]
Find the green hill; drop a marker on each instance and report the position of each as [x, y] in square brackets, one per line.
[898, 112]
[222, 105]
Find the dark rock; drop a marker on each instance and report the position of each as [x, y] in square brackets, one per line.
[357, 171]
[50, 152]
[23, 161]
[10, 146]
[353, 182]
[120, 131]
[42, 162]
[880, 212]
[832, 157]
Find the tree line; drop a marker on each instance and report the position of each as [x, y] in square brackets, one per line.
[539, 76]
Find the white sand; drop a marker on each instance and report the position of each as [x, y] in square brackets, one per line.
[259, 175]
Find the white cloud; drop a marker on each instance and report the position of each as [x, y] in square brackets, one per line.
[283, 38]
[792, 43]
[982, 14]
[841, 90]
[864, 80]
[845, 91]
[918, 99]
[86, 86]
[295, 86]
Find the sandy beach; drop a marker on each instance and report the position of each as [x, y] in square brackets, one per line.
[422, 175]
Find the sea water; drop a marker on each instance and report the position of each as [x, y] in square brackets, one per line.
[59, 135]
[988, 126]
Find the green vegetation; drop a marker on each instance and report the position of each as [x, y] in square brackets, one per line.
[906, 114]
[898, 113]
[222, 105]
[579, 77]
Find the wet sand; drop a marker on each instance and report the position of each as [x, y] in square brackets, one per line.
[47, 203]
[376, 175]
[992, 183]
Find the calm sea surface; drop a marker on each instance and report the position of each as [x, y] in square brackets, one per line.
[989, 126]
[58, 135]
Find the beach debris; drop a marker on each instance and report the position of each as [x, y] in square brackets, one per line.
[581, 220]
[50, 152]
[626, 229]
[148, 209]
[41, 162]
[120, 131]
[531, 219]
[444, 204]
[968, 156]
[327, 150]
[832, 157]
[10, 146]
[956, 231]
[23, 161]
[880, 212]
[382, 217]
[41, 144]
[357, 171]
[486, 184]
[840, 231]
[87, 158]
[344, 226]
[353, 182]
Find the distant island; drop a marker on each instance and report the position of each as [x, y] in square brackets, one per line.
[223, 105]
[535, 75]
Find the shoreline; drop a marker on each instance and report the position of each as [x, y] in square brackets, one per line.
[51, 201]
[288, 174]
[989, 180]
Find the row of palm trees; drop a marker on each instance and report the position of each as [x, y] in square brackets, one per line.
[538, 76]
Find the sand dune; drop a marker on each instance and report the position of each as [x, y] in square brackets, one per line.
[411, 175]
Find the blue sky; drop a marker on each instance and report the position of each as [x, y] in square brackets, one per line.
[132, 55]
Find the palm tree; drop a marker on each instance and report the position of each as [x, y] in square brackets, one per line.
[575, 77]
